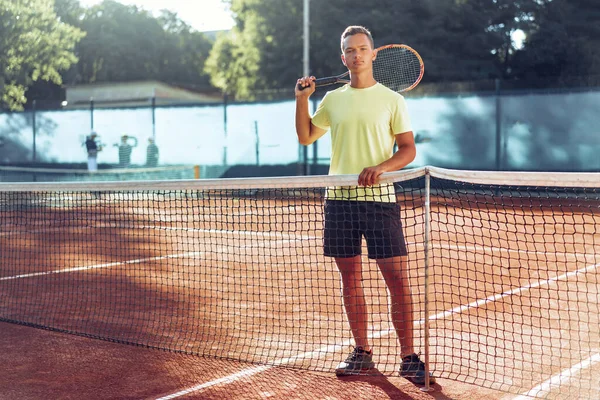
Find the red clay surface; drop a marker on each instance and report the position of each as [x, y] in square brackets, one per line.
[39, 364]
[228, 277]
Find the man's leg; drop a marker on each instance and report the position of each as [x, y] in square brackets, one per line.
[395, 273]
[361, 359]
[354, 299]
[92, 163]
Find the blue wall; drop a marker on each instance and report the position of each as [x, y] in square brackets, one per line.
[536, 131]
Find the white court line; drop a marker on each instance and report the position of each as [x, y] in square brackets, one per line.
[546, 387]
[97, 266]
[226, 232]
[136, 261]
[197, 253]
[224, 380]
[165, 228]
[284, 235]
[504, 250]
[283, 361]
[495, 297]
[325, 349]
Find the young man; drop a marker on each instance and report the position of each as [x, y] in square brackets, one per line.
[151, 153]
[125, 150]
[365, 118]
[92, 148]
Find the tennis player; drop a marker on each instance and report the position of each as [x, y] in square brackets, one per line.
[365, 118]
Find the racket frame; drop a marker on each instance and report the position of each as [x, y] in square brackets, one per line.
[342, 78]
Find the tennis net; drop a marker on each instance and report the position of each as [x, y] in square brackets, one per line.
[503, 269]
[28, 174]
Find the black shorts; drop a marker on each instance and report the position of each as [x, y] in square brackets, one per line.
[346, 222]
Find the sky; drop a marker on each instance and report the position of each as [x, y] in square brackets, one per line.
[202, 15]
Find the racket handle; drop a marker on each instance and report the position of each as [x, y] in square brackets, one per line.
[326, 81]
[322, 82]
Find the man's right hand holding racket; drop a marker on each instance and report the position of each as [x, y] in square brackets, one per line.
[305, 86]
[307, 132]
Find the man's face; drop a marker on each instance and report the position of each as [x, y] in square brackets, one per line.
[358, 53]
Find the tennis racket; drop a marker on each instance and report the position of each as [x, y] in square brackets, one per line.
[398, 67]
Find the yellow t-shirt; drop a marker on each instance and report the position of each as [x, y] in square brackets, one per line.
[363, 125]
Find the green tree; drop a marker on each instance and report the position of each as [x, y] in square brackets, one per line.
[34, 45]
[261, 52]
[504, 19]
[183, 53]
[219, 65]
[126, 43]
[69, 11]
[120, 44]
[565, 42]
[459, 39]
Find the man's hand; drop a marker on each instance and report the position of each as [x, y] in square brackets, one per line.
[369, 176]
[308, 83]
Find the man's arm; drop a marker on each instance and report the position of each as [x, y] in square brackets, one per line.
[405, 155]
[306, 131]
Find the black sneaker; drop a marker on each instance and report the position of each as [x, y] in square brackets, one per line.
[359, 360]
[413, 369]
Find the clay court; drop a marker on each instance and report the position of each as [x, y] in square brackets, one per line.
[226, 294]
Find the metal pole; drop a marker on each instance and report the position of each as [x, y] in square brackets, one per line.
[306, 70]
[498, 128]
[257, 143]
[154, 118]
[306, 55]
[427, 254]
[91, 114]
[225, 129]
[33, 124]
[315, 145]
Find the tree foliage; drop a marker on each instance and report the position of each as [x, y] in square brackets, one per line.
[35, 45]
[125, 43]
[42, 42]
[258, 53]
[565, 42]
[460, 40]
[221, 64]
[183, 54]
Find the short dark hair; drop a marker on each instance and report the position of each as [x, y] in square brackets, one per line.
[354, 30]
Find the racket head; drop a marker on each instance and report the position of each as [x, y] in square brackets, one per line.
[398, 67]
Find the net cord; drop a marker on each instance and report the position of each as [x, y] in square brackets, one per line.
[545, 179]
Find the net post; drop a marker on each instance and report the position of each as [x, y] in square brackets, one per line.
[426, 247]
[499, 153]
[153, 105]
[225, 99]
[91, 114]
[34, 128]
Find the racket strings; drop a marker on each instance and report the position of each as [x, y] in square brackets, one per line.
[398, 68]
